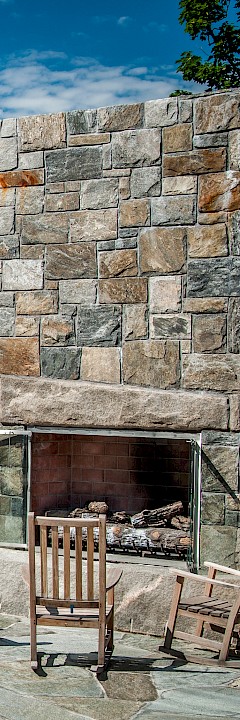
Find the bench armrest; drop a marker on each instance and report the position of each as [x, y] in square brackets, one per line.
[113, 577]
[200, 578]
[223, 568]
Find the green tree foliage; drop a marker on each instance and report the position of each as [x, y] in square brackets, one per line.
[208, 21]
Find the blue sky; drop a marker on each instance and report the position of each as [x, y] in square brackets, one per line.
[71, 54]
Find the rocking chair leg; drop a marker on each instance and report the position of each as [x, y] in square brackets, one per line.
[173, 613]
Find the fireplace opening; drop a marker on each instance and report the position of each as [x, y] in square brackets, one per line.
[132, 475]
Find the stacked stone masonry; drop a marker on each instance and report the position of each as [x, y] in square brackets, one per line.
[120, 273]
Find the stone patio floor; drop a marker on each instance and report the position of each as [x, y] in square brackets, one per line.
[141, 682]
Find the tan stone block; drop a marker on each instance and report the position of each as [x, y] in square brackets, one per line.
[209, 333]
[71, 261]
[186, 347]
[134, 213]
[205, 305]
[135, 325]
[118, 263]
[100, 365]
[57, 330]
[45, 229]
[26, 326]
[7, 197]
[34, 401]
[217, 112]
[78, 292]
[29, 200]
[211, 372]
[51, 284]
[183, 185]
[64, 201]
[219, 191]
[212, 218]
[162, 250]
[71, 186]
[11, 480]
[232, 503]
[151, 362]
[123, 290]
[94, 225]
[124, 188]
[120, 117]
[207, 241]
[41, 132]
[32, 252]
[194, 162]
[234, 150]
[94, 139]
[223, 463]
[21, 178]
[19, 356]
[42, 302]
[177, 138]
[234, 402]
[165, 294]
[58, 187]
[117, 172]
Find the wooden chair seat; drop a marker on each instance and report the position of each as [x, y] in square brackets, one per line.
[222, 616]
[86, 606]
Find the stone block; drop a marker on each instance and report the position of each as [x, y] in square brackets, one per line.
[37, 302]
[175, 210]
[34, 401]
[30, 160]
[213, 508]
[106, 157]
[232, 518]
[136, 148]
[211, 140]
[205, 305]
[151, 363]
[234, 150]
[94, 139]
[21, 178]
[78, 292]
[165, 294]
[134, 213]
[234, 232]
[99, 326]
[234, 284]
[42, 132]
[26, 326]
[124, 188]
[11, 481]
[81, 121]
[195, 162]
[211, 372]
[122, 290]
[6, 220]
[9, 246]
[94, 225]
[61, 202]
[135, 322]
[6, 299]
[19, 356]
[120, 117]
[7, 318]
[222, 541]
[11, 454]
[7, 197]
[99, 194]
[208, 278]
[60, 187]
[211, 218]
[207, 241]
[12, 530]
[145, 182]
[219, 468]
[8, 153]
[177, 138]
[235, 412]
[29, 200]
[209, 333]
[183, 185]
[100, 365]
[60, 362]
[186, 347]
[71, 261]
[22, 275]
[79, 163]
[185, 110]
[176, 327]
[217, 112]
[118, 263]
[159, 113]
[33, 252]
[232, 504]
[45, 229]
[219, 191]
[5, 505]
[216, 437]
[234, 325]
[57, 330]
[162, 250]
[9, 127]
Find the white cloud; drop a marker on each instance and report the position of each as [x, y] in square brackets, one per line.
[45, 82]
[124, 20]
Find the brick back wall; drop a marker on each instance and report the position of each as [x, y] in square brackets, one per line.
[129, 474]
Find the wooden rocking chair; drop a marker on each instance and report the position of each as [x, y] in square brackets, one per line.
[222, 616]
[71, 607]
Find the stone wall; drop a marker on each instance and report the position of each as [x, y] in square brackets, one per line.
[120, 275]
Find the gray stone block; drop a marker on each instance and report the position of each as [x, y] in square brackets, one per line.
[210, 140]
[22, 275]
[99, 326]
[208, 278]
[8, 153]
[232, 518]
[7, 319]
[176, 210]
[81, 121]
[213, 506]
[79, 163]
[136, 148]
[62, 363]
[99, 194]
[234, 325]
[17, 507]
[145, 182]
[9, 246]
[6, 220]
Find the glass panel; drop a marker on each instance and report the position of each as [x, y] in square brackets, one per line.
[13, 488]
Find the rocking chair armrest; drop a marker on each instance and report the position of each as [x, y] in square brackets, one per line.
[113, 577]
[223, 568]
[201, 578]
